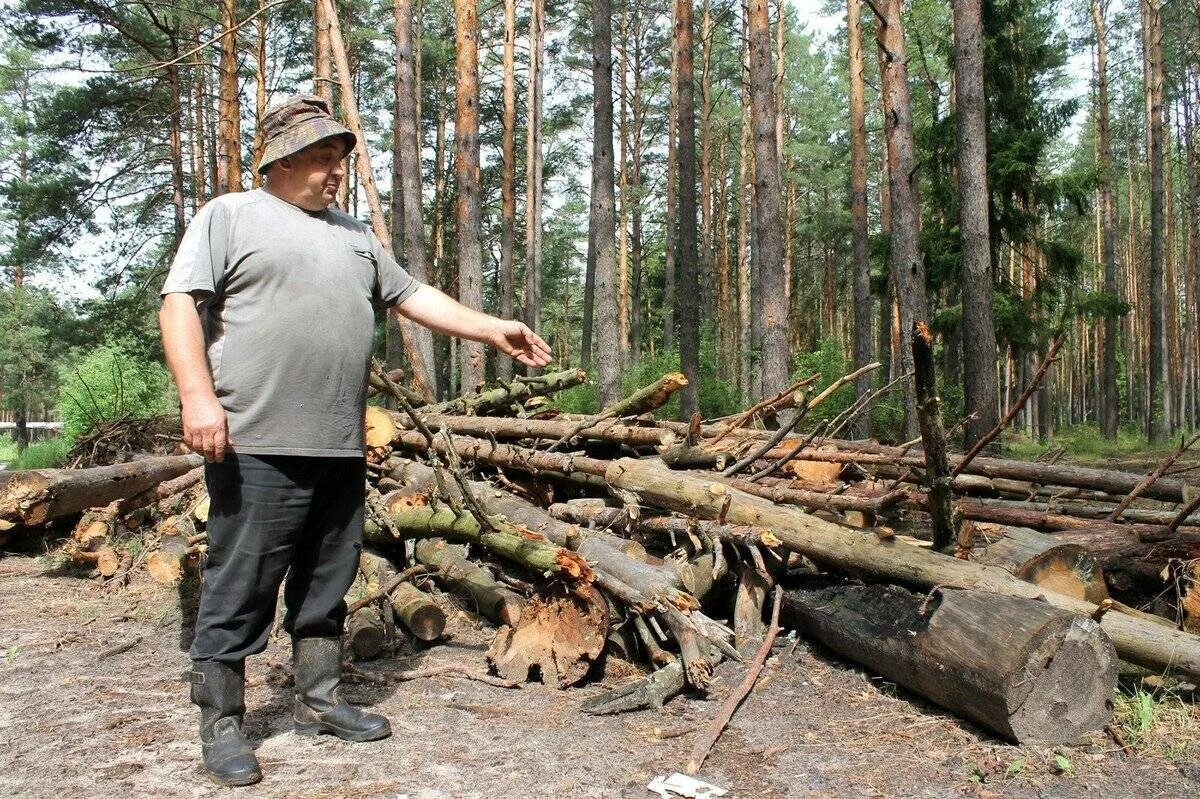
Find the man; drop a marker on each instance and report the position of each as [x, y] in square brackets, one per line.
[267, 321]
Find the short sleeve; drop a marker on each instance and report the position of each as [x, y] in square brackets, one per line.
[201, 258]
[395, 284]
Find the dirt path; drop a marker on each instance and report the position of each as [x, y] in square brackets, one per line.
[78, 718]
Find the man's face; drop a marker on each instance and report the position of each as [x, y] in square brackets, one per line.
[316, 172]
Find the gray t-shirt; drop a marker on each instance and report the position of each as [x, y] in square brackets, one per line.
[288, 301]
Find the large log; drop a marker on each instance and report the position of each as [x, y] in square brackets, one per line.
[1137, 640]
[1040, 559]
[37, 496]
[1029, 672]
[492, 600]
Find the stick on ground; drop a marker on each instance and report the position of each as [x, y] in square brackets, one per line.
[713, 731]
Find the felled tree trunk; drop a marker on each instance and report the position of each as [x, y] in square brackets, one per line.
[1029, 672]
[1137, 640]
[491, 599]
[416, 611]
[515, 392]
[175, 550]
[40, 495]
[1040, 559]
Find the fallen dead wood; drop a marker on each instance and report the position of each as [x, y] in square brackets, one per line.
[714, 729]
[488, 597]
[1110, 482]
[40, 495]
[1021, 668]
[1037, 558]
[419, 614]
[1137, 640]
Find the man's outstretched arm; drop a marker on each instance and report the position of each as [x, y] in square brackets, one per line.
[205, 427]
[438, 311]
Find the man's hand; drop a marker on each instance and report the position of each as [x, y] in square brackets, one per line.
[205, 427]
[516, 340]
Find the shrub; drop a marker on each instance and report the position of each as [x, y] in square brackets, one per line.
[49, 453]
[112, 382]
[830, 360]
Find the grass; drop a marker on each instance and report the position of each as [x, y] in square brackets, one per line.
[8, 449]
[1084, 444]
[1159, 723]
[49, 453]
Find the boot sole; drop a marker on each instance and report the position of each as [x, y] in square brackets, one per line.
[315, 728]
[236, 782]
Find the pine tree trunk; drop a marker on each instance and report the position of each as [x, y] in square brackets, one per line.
[671, 257]
[602, 227]
[745, 169]
[687, 290]
[229, 136]
[706, 163]
[508, 179]
[776, 361]
[260, 92]
[907, 264]
[636, 189]
[1157, 416]
[466, 167]
[322, 54]
[199, 100]
[1109, 417]
[531, 308]
[858, 209]
[981, 392]
[407, 216]
[175, 136]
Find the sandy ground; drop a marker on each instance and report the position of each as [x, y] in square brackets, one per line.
[91, 704]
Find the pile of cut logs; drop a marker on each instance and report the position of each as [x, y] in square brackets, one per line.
[662, 543]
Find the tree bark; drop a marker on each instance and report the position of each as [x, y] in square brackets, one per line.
[602, 227]
[406, 193]
[907, 262]
[229, 135]
[1157, 416]
[531, 308]
[858, 209]
[37, 496]
[1028, 672]
[687, 289]
[1137, 640]
[981, 391]
[776, 361]
[508, 179]
[1109, 406]
[466, 166]
[486, 596]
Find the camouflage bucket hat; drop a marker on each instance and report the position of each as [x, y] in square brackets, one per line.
[297, 122]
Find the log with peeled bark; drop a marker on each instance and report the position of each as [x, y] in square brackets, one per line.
[1134, 567]
[1040, 559]
[38, 496]
[1137, 640]
[419, 614]
[488, 597]
[1027, 671]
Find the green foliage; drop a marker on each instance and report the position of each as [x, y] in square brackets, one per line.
[829, 359]
[49, 453]
[1099, 304]
[112, 382]
[8, 449]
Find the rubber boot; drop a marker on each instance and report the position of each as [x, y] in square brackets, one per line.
[219, 689]
[319, 708]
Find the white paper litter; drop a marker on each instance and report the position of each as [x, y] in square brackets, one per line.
[682, 785]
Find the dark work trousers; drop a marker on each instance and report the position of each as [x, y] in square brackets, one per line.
[272, 515]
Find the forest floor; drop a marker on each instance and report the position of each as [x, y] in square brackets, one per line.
[91, 703]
